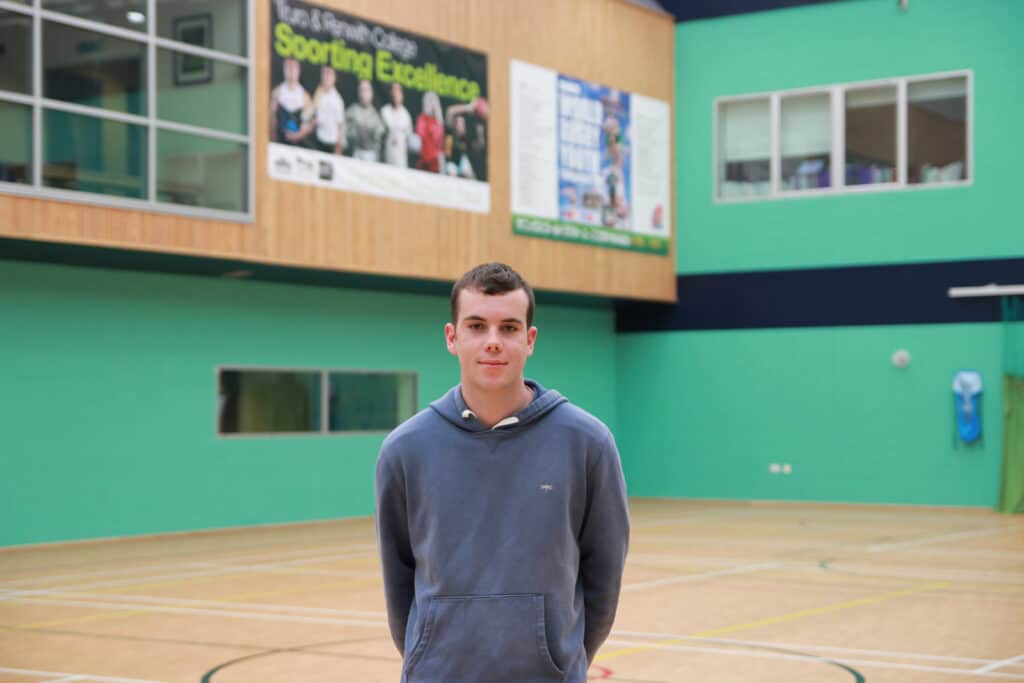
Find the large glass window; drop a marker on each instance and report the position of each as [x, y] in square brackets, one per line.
[745, 148]
[201, 171]
[216, 24]
[201, 92]
[93, 69]
[15, 52]
[871, 135]
[258, 401]
[93, 90]
[937, 130]
[15, 143]
[806, 141]
[130, 14]
[878, 135]
[91, 154]
[268, 402]
[376, 401]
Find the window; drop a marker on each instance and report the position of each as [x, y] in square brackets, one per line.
[745, 148]
[871, 146]
[277, 401]
[937, 130]
[806, 141]
[880, 135]
[127, 109]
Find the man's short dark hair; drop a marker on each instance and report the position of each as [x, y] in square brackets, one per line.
[492, 278]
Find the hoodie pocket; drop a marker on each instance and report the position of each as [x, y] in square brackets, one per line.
[474, 638]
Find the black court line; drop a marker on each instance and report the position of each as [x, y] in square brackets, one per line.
[208, 676]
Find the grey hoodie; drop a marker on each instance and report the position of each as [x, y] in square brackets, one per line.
[502, 547]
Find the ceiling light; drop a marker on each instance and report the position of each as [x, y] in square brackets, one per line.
[136, 17]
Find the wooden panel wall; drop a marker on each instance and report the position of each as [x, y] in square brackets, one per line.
[608, 41]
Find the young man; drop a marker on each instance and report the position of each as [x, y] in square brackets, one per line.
[501, 511]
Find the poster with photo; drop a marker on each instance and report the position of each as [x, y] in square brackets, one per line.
[363, 107]
[589, 163]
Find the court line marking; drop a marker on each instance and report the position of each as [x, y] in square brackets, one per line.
[216, 570]
[782, 655]
[974, 533]
[131, 609]
[1000, 664]
[91, 677]
[991, 576]
[783, 618]
[67, 679]
[797, 646]
[742, 569]
[214, 603]
[316, 551]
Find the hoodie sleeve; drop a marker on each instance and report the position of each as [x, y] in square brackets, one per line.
[603, 543]
[396, 555]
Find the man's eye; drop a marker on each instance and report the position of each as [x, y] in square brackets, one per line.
[475, 326]
[511, 328]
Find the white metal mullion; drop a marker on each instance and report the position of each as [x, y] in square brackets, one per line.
[95, 112]
[969, 174]
[199, 51]
[16, 7]
[901, 132]
[838, 161]
[151, 101]
[250, 102]
[16, 97]
[199, 130]
[325, 426]
[37, 98]
[776, 162]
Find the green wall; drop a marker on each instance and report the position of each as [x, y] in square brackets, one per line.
[703, 414]
[838, 42]
[109, 394]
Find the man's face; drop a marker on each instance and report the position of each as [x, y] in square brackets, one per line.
[291, 71]
[396, 94]
[491, 339]
[365, 93]
[327, 77]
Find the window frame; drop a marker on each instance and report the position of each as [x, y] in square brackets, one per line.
[837, 160]
[325, 397]
[151, 43]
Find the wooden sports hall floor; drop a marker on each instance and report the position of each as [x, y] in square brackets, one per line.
[714, 592]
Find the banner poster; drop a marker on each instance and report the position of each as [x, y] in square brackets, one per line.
[589, 163]
[363, 107]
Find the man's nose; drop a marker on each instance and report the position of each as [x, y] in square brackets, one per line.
[493, 341]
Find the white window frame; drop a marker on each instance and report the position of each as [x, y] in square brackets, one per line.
[325, 399]
[838, 153]
[151, 42]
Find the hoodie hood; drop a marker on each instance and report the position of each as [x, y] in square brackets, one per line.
[453, 408]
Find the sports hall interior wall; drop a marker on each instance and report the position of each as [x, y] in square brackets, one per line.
[719, 406]
[110, 394]
[303, 226]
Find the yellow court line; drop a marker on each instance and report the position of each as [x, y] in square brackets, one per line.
[783, 618]
[134, 612]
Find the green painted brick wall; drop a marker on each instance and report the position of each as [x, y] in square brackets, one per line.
[108, 398]
[704, 414]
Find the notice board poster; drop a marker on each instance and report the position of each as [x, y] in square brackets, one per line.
[363, 107]
[589, 163]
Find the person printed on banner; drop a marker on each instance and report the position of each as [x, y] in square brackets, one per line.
[430, 131]
[327, 115]
[615, 212]
[469, 139]
[363, 126]
[289, 103]
[399, 123]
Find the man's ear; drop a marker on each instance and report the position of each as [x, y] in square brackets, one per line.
[449, 338]
[531, 339]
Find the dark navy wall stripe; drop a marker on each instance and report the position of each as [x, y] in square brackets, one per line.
[908, 293]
